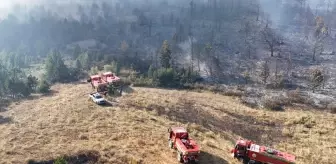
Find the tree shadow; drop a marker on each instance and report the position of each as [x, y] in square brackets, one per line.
[107, 104]
[128, 89]
[50, 93]
[207, 158]
[5, 120]
[84, 157]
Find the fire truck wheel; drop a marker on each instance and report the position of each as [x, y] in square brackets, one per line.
[170, 144]
[251, 162]
[179, 157]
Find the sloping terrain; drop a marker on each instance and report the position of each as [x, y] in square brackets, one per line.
[134, 129]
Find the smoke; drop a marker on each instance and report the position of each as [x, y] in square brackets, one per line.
[274, 9]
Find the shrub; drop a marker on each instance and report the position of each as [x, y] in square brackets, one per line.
[273, 103]
[199, 86]
[114, 89]
[132, 75]
[43, 87]
[278, 83]
[232, 92]
[185, 76]
[60, 160]
[125, 81]
[308, 121]
[75, 74]
[166, 77]
[108, 68]
[144, 82]
[295, 96]
[250, 102]
[32, 82]
[316, 78]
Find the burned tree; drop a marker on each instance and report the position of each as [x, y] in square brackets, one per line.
[320, 33]
[271, 39]
[316, 78]
[263, 71]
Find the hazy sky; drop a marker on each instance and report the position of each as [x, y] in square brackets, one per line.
[9, 3]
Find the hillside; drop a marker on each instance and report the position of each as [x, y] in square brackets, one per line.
[133, 130]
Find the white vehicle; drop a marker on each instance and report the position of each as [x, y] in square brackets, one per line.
[97, 98]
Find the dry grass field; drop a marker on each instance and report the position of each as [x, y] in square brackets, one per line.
[134, 129]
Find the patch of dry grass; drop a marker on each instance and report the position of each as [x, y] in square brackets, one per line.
[135, 129]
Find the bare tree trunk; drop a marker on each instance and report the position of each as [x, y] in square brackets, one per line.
[150, 28]
[276, 70]
[191, 49]
[156, 59]
[289, 65]
[249, 52]
[198, 64]
[314, 53]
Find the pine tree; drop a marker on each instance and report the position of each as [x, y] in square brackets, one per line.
[94, 70]
[150, 72]
[116, 67]
[78, 65]
[76, 52]
[32, 82]
[56, 70]
[84, 61]
[165, 55]
[43, 86]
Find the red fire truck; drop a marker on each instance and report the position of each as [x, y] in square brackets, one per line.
[187, 148]
[251, 153]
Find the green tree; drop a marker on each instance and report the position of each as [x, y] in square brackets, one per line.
[76, 51]
[165, 55]
[56, 70]
[108, 68]
[78, 64]
[43, 86]
[16, 87]
[85, 61]
[32, 82]
[94, 70]
[166, 77]
[246, 76]
[116, 67]
[113, 67]
[150, 72]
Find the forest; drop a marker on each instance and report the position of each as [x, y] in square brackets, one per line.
[285, 44]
